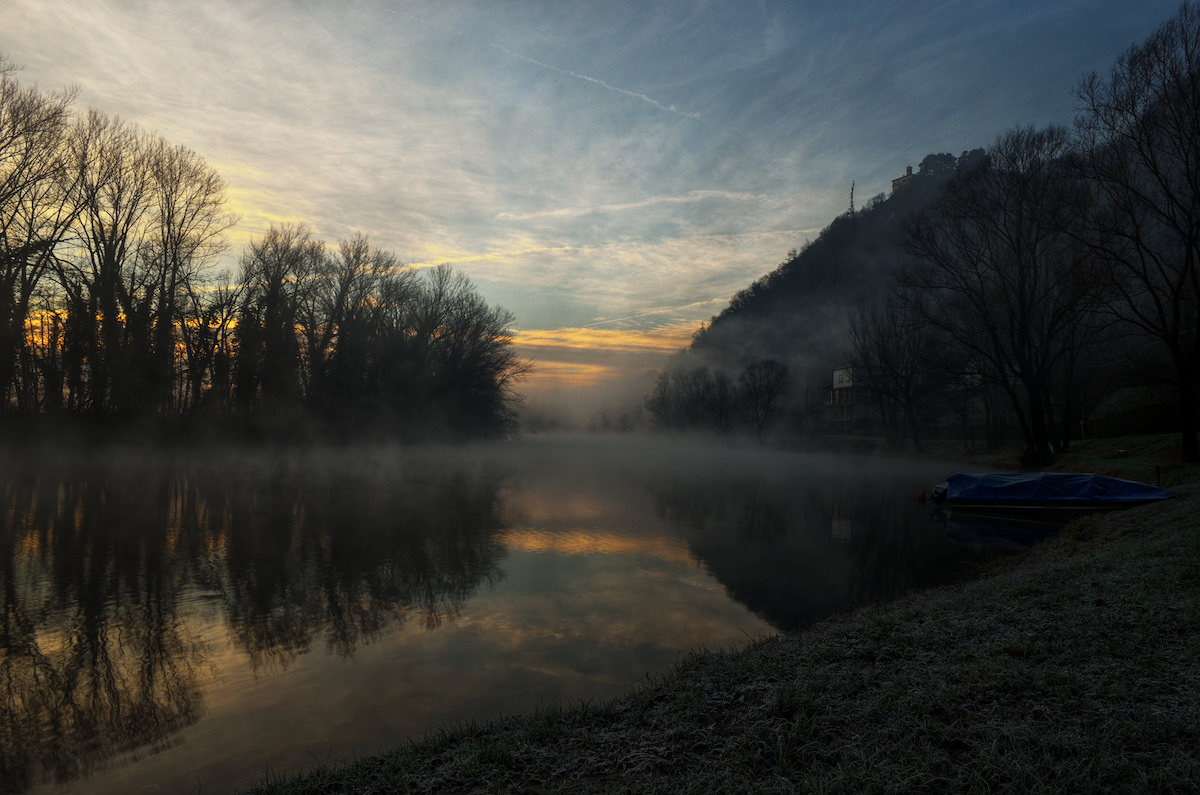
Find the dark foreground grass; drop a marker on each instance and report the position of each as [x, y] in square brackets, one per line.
[1077, 670]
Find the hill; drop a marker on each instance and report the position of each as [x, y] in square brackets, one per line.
[799, 313]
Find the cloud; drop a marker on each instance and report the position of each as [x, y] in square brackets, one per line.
[580, 196]
[634, 284]
[587, 357]
[689, 198]
[601, 83]
[594, 342]
[712, 304]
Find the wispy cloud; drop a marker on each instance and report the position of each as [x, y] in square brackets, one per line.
[435, 255]
[601, 83]
[690, 197]
[635, 284]
[457, 32]
[605, 342]
[582, 357]
[555, 376]
[580, 188]
[686, 309]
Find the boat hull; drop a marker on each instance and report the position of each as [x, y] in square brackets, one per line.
[1044, 496]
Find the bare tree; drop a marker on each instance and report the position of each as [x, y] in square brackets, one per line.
[209, 313]
[694, 398]
[894, 352]
[36, 211]
[761, 385]
[107, 289]
[1001, 276]
[1139, 134]
[276, 279]
[344, 319]
[185, 236]
[660, 402]
[472, 363]
[718, 398]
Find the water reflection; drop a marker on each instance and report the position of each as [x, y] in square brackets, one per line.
[267, 608]
[797, 546]
[100, 569]
[346, 554]
[93, 657]
[995, 532]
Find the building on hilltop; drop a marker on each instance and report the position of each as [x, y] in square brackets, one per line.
[899, 182]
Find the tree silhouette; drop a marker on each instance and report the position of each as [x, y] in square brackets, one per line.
[36, 213]
[761, 385]
[1001, 276]
[896, 357]
[1138, 128]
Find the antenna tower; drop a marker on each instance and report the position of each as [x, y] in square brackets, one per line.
[851, 196]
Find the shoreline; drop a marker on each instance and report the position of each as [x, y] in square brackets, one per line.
[1075, 668]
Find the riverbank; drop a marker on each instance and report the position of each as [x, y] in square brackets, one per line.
[1074, 670]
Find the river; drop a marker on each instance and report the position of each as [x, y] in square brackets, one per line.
[190, 621]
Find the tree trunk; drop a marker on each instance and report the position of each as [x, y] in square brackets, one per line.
[1038, 453]
[1187, 419]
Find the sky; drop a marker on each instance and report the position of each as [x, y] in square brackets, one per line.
[610, 172]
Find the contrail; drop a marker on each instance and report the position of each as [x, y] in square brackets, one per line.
[601, 83]
[568, 72]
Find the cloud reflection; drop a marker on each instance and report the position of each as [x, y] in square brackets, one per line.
[596, 542]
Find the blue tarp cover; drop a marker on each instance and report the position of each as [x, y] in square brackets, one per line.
[1049, 487]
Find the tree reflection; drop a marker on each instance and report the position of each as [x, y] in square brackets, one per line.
[898, 549]
[743, 504]
[104, 572]
[797, 551]
[348, 554]
[94, 658]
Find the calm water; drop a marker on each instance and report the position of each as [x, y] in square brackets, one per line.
[176, 624]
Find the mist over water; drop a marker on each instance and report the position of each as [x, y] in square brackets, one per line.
[193, 619]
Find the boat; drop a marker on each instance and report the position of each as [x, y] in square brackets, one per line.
[1041, 494]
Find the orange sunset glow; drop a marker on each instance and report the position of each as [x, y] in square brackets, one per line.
[578, 357]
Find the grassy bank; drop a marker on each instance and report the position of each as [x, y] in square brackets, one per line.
[1076, 670]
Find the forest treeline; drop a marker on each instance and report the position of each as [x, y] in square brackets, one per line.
[113, 315]
[687, 399]
[1028, 281]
